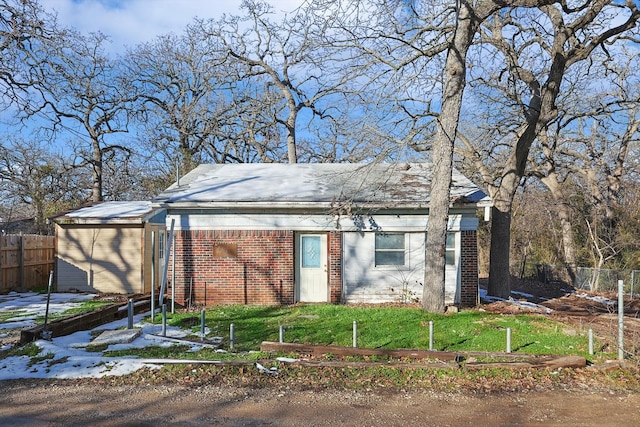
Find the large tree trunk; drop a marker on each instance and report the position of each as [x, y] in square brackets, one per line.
[442, 158]
[499, 284]
[568, 241]
[566, 228]
[96, 163]
[470, 15]
[499, 273]
[291, 138]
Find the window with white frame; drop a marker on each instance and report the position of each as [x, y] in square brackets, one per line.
[450, 251]
[390, 249]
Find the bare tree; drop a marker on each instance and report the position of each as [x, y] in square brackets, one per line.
[24, 29]
[405, 38]
[587, 147]
[281, 55]
[81, 91]
[181, 104]
[469, 17]
[537, 47]
[33, 176]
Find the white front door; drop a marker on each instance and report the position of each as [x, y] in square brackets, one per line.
[311, 268]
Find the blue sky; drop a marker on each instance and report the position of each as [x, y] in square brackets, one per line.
[129, 22]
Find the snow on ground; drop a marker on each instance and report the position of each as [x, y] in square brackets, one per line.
[28, 306]
[69, 357]
[521, 303]
[597, 298]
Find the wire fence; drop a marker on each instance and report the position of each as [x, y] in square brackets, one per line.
[606, 280]
[585, 278]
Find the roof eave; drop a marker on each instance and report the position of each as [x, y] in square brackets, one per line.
[319, 205]
[100, 221]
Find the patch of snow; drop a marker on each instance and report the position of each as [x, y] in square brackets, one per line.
[246, 182]
[108, 210]
[28, 306]
[522, 294]
[70, 358]
[490, 298]
[597, 298]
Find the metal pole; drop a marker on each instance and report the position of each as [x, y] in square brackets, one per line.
[430, 335]
[165, 267]
[355, 334]
[591, 342]
[164, 320]
[46, 334]
[173, 275]
[232, 332]
[620, 320]
[508, 340]
[202, 322]
[281, 334]
[130, 314]
[153, 276]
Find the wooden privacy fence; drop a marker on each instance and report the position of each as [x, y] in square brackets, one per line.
[25, 261]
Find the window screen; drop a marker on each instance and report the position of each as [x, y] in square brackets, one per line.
[390, 249]
[450, 253]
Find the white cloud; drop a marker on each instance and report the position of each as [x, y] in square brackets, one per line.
[130, 22]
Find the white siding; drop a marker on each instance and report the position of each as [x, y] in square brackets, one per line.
[364, 282]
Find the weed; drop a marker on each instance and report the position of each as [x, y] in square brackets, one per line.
[96, 348]
[29, 350]
[37, 359]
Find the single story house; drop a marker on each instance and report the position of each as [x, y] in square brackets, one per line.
[339, 233]
[110, 247]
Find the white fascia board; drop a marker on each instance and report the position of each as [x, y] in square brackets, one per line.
[99, 221]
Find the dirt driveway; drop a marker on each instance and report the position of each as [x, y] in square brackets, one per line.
[44, 403]
[86, 402]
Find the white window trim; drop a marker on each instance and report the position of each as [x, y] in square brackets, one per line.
[395, 267]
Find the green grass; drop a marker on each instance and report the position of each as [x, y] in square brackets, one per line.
[378, 327]
[183, 352]
[386, 327]
[82, 307]
[30, 350]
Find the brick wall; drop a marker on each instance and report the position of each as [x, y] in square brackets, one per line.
[234, 267]
[335, 267]
[258, 267]
[469, 269]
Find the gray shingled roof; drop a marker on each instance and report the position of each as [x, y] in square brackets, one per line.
[313, 184]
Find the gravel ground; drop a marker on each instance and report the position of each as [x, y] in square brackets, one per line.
[73, 403]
